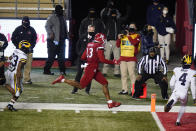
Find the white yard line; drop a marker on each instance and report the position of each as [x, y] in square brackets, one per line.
[95, 107]
[156, 118]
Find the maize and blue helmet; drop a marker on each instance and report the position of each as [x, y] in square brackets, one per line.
[24, 46]
[186, 61]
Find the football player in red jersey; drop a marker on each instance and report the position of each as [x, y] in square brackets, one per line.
[93, 55]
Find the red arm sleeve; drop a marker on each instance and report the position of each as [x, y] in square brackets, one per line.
[102, 57]
[135, 41]
[83, 57]
[118, 43]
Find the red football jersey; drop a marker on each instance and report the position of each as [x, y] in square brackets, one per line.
[94, 54]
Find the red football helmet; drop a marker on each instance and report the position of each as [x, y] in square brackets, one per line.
[100, 38]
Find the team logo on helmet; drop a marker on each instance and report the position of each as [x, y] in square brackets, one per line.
[100, 38]
[187, 60]
[24, 45]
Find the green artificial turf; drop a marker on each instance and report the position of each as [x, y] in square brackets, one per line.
[47, 120]
[42, 91]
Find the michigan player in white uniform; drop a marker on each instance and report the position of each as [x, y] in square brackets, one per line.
[14, 72]
[182, 79]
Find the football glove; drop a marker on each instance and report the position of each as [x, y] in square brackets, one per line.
[84, 65]
[117, 62]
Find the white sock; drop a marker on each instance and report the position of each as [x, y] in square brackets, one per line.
[62, 81]
[181, 112]
[12, 101]
[109, 101]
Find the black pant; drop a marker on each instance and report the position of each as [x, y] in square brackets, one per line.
[79, 75]
[54, 50]
[158, 80]
[2, 76]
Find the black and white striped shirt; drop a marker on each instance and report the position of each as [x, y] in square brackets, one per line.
[151, 65]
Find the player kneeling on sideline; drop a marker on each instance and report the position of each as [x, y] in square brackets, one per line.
[14, 73]
[93, 54]
[182, 79]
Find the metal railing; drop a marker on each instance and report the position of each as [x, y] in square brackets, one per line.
[17, 9]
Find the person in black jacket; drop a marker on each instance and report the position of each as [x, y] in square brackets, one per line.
[80, 48]
[153, 13]
[165, 27]
[3, 45]
[25, 32]
[106, 12]
[91, 19]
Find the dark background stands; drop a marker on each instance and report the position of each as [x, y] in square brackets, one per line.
[91, 19]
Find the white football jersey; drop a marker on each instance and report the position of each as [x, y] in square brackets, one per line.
[182, 79]
[17, 56]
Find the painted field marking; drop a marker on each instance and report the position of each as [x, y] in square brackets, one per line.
[158, 122]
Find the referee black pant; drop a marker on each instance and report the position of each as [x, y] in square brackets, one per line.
[79, 75]
[158, 78]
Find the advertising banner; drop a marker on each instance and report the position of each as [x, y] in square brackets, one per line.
[7, 26]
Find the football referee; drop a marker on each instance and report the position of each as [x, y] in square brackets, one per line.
[151, 66]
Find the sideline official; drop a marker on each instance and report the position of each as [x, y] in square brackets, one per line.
[149, 67]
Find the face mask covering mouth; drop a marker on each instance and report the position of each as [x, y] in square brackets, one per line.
[131, 30]
[26, 24]
[165, 12]
[60, 12]
[26, 21]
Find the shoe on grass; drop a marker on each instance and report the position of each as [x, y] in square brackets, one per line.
[58, 80]
[28, 82]
[11, 108]
[114, 104]
[123, 92]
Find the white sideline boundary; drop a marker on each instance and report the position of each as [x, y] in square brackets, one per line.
[97, 107]
[93, 107]
[158, 122]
